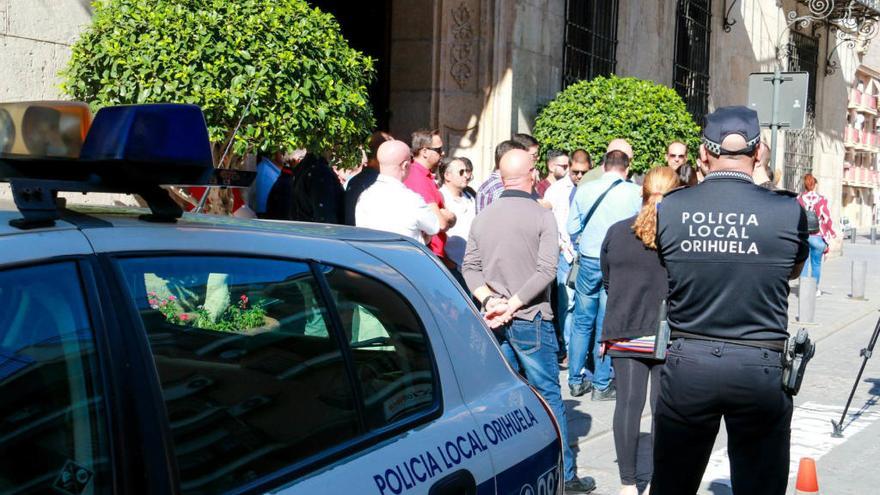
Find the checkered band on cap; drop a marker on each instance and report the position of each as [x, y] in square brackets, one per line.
[716, 149]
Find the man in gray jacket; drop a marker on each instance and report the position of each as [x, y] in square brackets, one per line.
[509, 265]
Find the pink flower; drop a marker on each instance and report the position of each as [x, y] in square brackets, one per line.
[183, 316]
[151, 293]
[152, 302]
[172, 298]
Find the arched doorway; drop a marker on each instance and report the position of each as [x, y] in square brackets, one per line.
[367, 27]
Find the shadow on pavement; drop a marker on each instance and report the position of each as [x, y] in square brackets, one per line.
[579, 424]
[873, 401]
[719, 489]
[875, 385]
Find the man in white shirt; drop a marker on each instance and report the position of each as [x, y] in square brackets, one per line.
[456, 176]
[389, 205]
[559, 196]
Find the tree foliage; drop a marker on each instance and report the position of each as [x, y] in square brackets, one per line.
[306, 87]
[589, 114]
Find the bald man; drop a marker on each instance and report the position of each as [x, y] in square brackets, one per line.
[618, 144]
[509, 265]
[389, 205]
[676, 155]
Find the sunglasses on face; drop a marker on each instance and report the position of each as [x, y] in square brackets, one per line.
[670, 155]
[578, 172]
[463, 172]
[438, 150]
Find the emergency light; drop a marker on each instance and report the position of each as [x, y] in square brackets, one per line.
[44, 129]
[132, 149]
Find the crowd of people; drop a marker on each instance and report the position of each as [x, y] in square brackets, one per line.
[565, 268]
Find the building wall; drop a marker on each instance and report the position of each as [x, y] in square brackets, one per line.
[646, 39]
[646, 33]
[537, 58]
[35, 39]
[480, 70]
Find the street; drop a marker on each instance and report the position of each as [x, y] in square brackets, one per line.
[843, 327]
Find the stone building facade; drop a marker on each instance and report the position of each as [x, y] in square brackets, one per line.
[35, 40]
[861, 180]
[480, 70]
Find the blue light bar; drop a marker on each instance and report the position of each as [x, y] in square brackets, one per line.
[160, 133]
[131, 149]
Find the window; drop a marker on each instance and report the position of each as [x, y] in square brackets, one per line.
[51, 431]
[691, 66]
[803, 55]
[244, 398]
[257, 373]
[590, 40]
[388, 345]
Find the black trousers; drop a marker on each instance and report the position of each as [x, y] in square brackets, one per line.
[632, 375]
[703, 381]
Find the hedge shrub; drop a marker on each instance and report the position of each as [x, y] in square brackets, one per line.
[589, 114]
[309, 86]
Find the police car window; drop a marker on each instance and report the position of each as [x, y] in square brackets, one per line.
[388, 343]
[51, 431]
[252, 379]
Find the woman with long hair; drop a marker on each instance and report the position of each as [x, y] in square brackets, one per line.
[820, 224]
[636, 285]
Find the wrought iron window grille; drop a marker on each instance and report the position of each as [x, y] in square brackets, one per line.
[691, 64]
[590, 40]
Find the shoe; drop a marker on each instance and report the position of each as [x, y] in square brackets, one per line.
[580, 389]
[818, 292]
[563, 365]
[580, 485]
[609, 393]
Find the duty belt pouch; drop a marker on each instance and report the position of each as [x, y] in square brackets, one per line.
[798, 352]
[661, 339]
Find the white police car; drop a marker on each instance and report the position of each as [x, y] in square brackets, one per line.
[170, 353]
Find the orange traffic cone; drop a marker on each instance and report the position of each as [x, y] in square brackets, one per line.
[806, 480]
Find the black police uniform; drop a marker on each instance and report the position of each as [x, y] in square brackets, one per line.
[729, 247]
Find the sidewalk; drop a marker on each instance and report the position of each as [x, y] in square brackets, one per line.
[590, 423]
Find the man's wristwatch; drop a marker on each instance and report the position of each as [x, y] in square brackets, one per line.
[486, 300]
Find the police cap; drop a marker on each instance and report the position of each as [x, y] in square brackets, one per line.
[731, 120]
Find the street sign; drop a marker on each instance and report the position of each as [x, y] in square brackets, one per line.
[792, 109]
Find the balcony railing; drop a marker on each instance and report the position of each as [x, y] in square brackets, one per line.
[855, 98]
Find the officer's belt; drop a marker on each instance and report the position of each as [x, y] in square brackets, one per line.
[773, 345]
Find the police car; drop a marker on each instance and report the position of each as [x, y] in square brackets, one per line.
[152, 351]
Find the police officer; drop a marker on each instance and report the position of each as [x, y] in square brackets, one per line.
[730, 248]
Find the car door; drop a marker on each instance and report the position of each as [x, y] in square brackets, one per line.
[55, 416]
[291, 376]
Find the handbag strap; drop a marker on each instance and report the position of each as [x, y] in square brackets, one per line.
[593, 209]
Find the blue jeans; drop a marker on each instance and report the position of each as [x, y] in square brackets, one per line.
[589, 312]
[565, 296]
[817, 249]
[531, 346]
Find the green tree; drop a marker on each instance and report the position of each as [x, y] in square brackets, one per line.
[589, 114]
[282, 64]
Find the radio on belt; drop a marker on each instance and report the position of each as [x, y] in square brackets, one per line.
[798, 352]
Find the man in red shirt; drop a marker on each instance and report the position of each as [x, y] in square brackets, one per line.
[427, 151]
